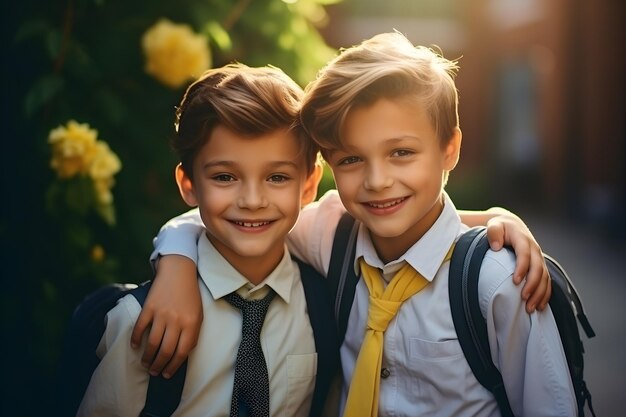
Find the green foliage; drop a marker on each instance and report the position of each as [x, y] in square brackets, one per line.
[82, 60]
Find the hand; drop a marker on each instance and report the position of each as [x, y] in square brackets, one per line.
[171, 315]
[510, 230]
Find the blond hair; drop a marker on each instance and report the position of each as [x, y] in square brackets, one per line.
[387, 65]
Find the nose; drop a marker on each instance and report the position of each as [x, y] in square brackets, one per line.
[377, 178]
[252, 197]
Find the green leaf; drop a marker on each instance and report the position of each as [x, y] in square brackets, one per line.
[53, 41]
[44, 90]
[327, 2]
[219, 35]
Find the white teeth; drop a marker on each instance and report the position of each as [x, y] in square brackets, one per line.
[387, 204]
[251, 224]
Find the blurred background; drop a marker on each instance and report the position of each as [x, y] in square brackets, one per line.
[89, 89]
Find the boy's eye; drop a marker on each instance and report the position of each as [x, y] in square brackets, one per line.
[402, 152]
[277, 178]
[223, 178]
[349, 160]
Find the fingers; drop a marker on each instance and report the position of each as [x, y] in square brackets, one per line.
[537, 289]
[186, 343]
[546, 298]
[166, 350]
[495, 235]
[153, 343]
[524, 268]
[141, 326]
[168, 345]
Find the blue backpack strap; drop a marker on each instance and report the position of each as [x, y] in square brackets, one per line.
[469, 323]
[326, 344]
[163, 396]
[341, 277]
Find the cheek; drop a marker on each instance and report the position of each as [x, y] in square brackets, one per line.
[214, 197]
[346, 182]
[286, 196]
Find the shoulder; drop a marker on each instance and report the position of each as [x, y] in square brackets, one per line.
[312, 237]
[496, 277]
[328, 204]
[125, 313]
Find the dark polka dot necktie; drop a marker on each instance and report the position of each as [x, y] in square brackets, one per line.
[251, 388]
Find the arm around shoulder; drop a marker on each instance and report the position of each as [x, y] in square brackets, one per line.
[179, 236]
[311, 238]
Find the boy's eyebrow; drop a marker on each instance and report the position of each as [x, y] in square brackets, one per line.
[390, 140]
[233, 164]
[401, 138]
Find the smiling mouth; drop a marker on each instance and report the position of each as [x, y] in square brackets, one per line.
[250, 224]
[386, 204]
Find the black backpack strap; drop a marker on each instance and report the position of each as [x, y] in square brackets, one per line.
[469, 323]
[341, 277]
[163, 395]
[566, 307]
[320, 312]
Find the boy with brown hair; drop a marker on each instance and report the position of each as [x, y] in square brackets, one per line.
[270, 349]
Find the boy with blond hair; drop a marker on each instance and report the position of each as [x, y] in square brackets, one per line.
[385, 116]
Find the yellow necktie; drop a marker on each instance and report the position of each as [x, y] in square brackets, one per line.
[384, 304]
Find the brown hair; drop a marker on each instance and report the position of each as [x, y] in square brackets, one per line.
[250, 101]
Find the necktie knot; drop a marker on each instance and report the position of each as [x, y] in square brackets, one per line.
[381, 312]
[253, 311]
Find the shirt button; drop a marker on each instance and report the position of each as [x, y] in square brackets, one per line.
[384, 373]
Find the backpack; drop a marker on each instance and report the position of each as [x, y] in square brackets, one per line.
[471, 327]
[79, 360]
[469, 323]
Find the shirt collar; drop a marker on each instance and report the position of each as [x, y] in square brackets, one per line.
[222, 278]
[426, 255]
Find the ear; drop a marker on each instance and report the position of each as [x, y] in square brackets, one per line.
[310, 185]
[185, 186]
[452, 150]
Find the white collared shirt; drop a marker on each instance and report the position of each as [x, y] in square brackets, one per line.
[119, 384]
[428, 374]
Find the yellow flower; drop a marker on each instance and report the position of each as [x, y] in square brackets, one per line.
[174, 53]
[103, 186]
[73, 147]
[105, 163]
[76, 151]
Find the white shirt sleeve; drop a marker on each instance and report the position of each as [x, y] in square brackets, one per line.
[179, 236]
[311, 239]
[526, 348]
[119, 384]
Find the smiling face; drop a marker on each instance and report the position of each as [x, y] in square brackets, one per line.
[249, 191]
[390, 172]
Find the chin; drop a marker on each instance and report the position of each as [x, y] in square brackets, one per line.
[386, 232]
